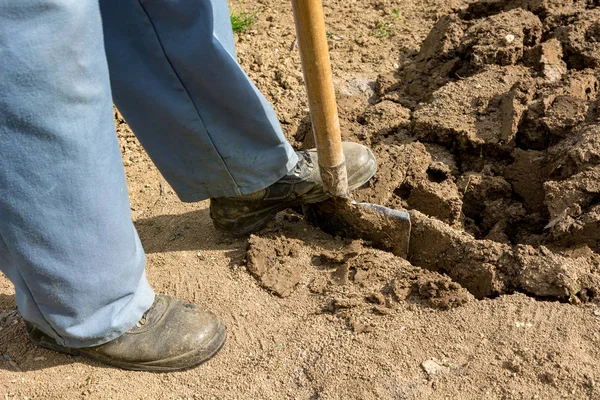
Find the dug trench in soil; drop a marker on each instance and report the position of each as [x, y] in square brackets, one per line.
[490, 137]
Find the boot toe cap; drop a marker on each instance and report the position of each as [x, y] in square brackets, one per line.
[360, 164]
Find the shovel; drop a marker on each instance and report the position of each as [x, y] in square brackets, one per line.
[384, 227]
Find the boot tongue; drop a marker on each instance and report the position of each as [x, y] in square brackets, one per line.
[152, 316]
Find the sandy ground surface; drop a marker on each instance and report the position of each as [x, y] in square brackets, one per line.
[484, 119]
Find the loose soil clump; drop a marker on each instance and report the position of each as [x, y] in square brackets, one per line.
[347, 273]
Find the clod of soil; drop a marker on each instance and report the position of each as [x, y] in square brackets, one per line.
[482, 110]
[487, 268]
[349, 274]
[500, 39]
[547, 59]
[581, 39]
[274, 265]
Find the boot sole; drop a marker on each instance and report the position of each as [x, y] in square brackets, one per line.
[186, 361]
[254, 221]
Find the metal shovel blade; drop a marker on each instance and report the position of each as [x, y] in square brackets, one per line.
[384, 227]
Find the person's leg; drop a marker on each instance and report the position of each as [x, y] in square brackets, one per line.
[208, 129]
[66, 237]
[176, 81]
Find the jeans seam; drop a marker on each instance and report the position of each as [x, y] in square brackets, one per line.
[162, 47]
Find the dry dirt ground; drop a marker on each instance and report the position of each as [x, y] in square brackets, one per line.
[484, 118]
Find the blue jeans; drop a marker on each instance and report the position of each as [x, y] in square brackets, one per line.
[66, 237]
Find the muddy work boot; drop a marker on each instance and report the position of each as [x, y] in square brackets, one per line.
[171, 335]
[246, 214]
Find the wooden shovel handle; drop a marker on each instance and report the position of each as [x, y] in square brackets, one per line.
[314, 53]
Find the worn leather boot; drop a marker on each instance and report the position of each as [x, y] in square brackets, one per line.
[171, 335]
[243, 215]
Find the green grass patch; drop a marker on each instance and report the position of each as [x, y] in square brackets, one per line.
[385, 28]
[241, 20]
[396, 15]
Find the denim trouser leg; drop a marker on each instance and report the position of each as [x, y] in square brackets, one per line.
[66, 237]
[176, 81]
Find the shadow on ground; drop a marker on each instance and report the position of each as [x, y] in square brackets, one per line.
[187, 231]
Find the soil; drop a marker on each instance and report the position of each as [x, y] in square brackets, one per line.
[484, 118]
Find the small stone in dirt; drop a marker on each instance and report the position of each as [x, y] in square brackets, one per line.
[361, 276]
[319, 285]
[341, 304]
[376, 298]
[358, 86]
[434, 367]
[381, 310]
[359, 327]
[519, 324]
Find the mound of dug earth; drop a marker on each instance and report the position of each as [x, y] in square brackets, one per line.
[353, 279]
[490, 137]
